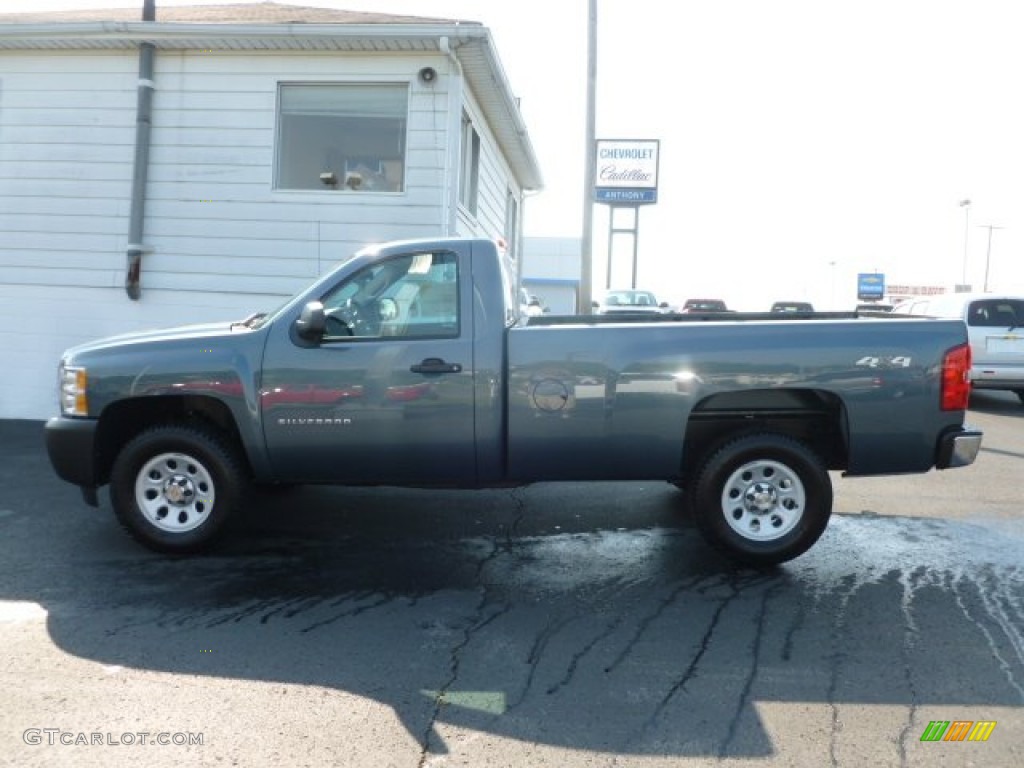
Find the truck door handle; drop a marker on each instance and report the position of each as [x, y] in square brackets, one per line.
[435, 365]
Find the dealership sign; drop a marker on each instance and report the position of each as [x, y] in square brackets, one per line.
[917, 290]
[870, 285]
[627, 172]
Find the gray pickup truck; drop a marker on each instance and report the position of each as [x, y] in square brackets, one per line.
[410, 365]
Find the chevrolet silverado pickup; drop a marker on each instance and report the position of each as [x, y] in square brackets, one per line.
[411, 364]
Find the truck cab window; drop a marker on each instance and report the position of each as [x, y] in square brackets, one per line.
[409, 296]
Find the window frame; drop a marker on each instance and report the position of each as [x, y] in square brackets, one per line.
[279, 148]
[469, 165]
[375, 269]
[512, 223]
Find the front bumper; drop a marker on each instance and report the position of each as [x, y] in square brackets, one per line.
[71, 445]
[958, 448]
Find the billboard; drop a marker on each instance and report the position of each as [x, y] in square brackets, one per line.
[627, 171]
[870, 286]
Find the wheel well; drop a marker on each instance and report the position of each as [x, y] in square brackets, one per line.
[815, 418]
[121, 421]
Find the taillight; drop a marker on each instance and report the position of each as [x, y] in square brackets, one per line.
[956, 378]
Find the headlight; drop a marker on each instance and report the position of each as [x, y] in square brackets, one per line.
[73, 399]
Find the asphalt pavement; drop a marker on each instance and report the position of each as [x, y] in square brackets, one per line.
[553, 625]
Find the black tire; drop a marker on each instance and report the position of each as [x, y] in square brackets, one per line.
[174, 487]
[762, 499]
[1020, 395]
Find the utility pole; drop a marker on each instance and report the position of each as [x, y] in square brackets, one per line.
[988, 251]
[587, 236]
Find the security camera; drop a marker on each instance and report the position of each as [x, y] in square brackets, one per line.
[428, 75]
[329, 179]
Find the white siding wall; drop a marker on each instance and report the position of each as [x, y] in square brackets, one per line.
[224, 242]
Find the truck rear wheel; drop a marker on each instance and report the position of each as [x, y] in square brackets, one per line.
[174, 487]
[762, 499]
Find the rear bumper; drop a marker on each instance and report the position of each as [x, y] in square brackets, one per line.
[997, 376]
[958, 448]
[71, 445]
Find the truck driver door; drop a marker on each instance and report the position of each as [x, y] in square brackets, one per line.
[385, 394]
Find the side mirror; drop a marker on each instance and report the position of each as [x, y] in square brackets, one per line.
[664, 305]
[595, 304]
[312, 322]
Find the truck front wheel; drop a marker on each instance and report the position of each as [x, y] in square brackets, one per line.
[174, 487]
[762, 499]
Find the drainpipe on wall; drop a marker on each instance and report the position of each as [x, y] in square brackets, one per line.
[143, 123]
[453, 143]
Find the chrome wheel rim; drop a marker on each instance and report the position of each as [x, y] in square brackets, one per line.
[174, 492]
[763, 500]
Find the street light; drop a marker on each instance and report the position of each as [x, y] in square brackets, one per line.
[832, 274]
[988, 251]
[966, 205]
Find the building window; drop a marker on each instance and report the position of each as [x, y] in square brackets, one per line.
[512, 223]
[344, 137]
[469, 171]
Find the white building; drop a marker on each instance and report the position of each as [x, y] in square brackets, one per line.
[551, 268]
[282, 139]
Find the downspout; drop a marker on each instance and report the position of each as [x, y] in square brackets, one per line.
[454, 143]
[143, 123]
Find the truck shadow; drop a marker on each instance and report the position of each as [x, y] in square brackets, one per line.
[997, 402]
[580, 617]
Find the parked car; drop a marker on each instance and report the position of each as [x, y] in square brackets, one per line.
[875, 306]
[630, 301]
[993, 329]
[529, 304]
[704, 305]
[792, 306]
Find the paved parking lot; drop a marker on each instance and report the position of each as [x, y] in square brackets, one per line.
[556, 625]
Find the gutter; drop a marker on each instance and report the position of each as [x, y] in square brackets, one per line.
[20, 35]
[496, 83]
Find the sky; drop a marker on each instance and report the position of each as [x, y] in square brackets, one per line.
[802, 142]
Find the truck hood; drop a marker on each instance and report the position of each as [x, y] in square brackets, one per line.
[184, 332]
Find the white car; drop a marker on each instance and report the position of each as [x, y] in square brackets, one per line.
[529, 304]
[630, 301]
[994, 328]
